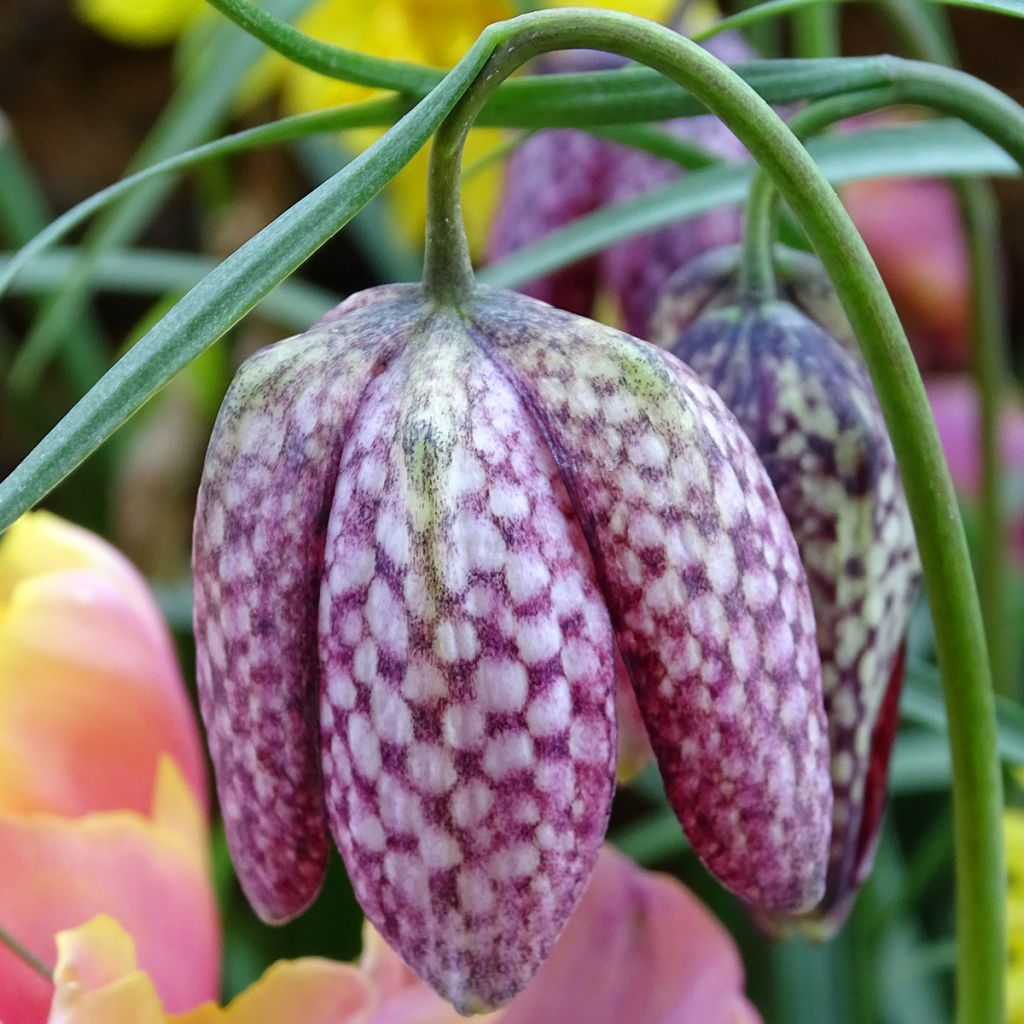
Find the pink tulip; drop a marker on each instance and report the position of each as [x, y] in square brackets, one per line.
[102, 784]
[640, 948]
[912, 228]
[151, 873]
[954, 402]
[90, 691]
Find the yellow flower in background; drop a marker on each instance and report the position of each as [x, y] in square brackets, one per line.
[1015, 914]
[139, 22]
[420, 32]
[432, 32]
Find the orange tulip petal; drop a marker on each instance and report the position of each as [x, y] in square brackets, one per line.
[88, 678]
[96, 980]
[149, 873]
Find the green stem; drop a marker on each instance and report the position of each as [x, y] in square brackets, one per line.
[925, 35]
[816, 31]
[757, 272]
[980, 216]
[977, 784]
[23, 954]
[324, 58]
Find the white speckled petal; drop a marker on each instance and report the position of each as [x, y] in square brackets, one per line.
[806, 402]
[260, 522]
[701, 574]
[468, 733]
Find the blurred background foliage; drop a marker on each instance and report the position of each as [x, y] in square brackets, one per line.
[89, 88]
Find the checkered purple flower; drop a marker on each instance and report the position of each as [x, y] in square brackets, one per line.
[790, 371]
[422, 537]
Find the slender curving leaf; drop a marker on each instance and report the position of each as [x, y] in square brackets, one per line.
[933, 148]
[922, 703]
[228, 293]
[292, 305]
[775, 8]
[356, 115]
[194, 112]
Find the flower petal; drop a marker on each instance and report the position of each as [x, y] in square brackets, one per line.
[701, 573]
[152, 874]
[467, 657]
[97, 981]
[671, 961]
[88, 684]
[311, 990]
[258, 547]
[807, 404]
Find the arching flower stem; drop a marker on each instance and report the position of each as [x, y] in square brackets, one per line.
[977, 784]
[922, 36]
[757, 272]
[975, 107]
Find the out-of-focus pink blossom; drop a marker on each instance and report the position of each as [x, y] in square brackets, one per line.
[102, 785]
[559, 175]
[90, 692]
[954, 401]
[640, 948]
[150, 872]
[913, 230]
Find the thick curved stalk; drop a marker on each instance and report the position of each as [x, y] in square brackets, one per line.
[925, 35]
[757, 272]
[977, 785]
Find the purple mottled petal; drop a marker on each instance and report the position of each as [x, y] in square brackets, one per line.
[259, 530]
[635, 270]
[701, 574]
[807, 404]
[552, 179]
[468, 665]
[555, 177]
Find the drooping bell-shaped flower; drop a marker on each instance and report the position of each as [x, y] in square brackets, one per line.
[422, 534]
[788, 368]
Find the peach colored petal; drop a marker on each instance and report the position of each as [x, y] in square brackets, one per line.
[151, 873]
[88, 678]
[639, 948]
[96, 979]
[310, 991]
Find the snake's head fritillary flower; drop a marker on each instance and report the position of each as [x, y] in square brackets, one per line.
[805, 400]
[421, 537]
[557, 176]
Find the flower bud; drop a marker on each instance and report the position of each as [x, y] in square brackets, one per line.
[421, 537]
[805, 400]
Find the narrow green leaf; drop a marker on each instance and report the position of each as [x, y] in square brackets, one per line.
[922, 702]
[920, 764]
[357, 115]
[227, 294]
[193, 113]
[933, 148]
[775, 8]
[23, 207]
[292, 305]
